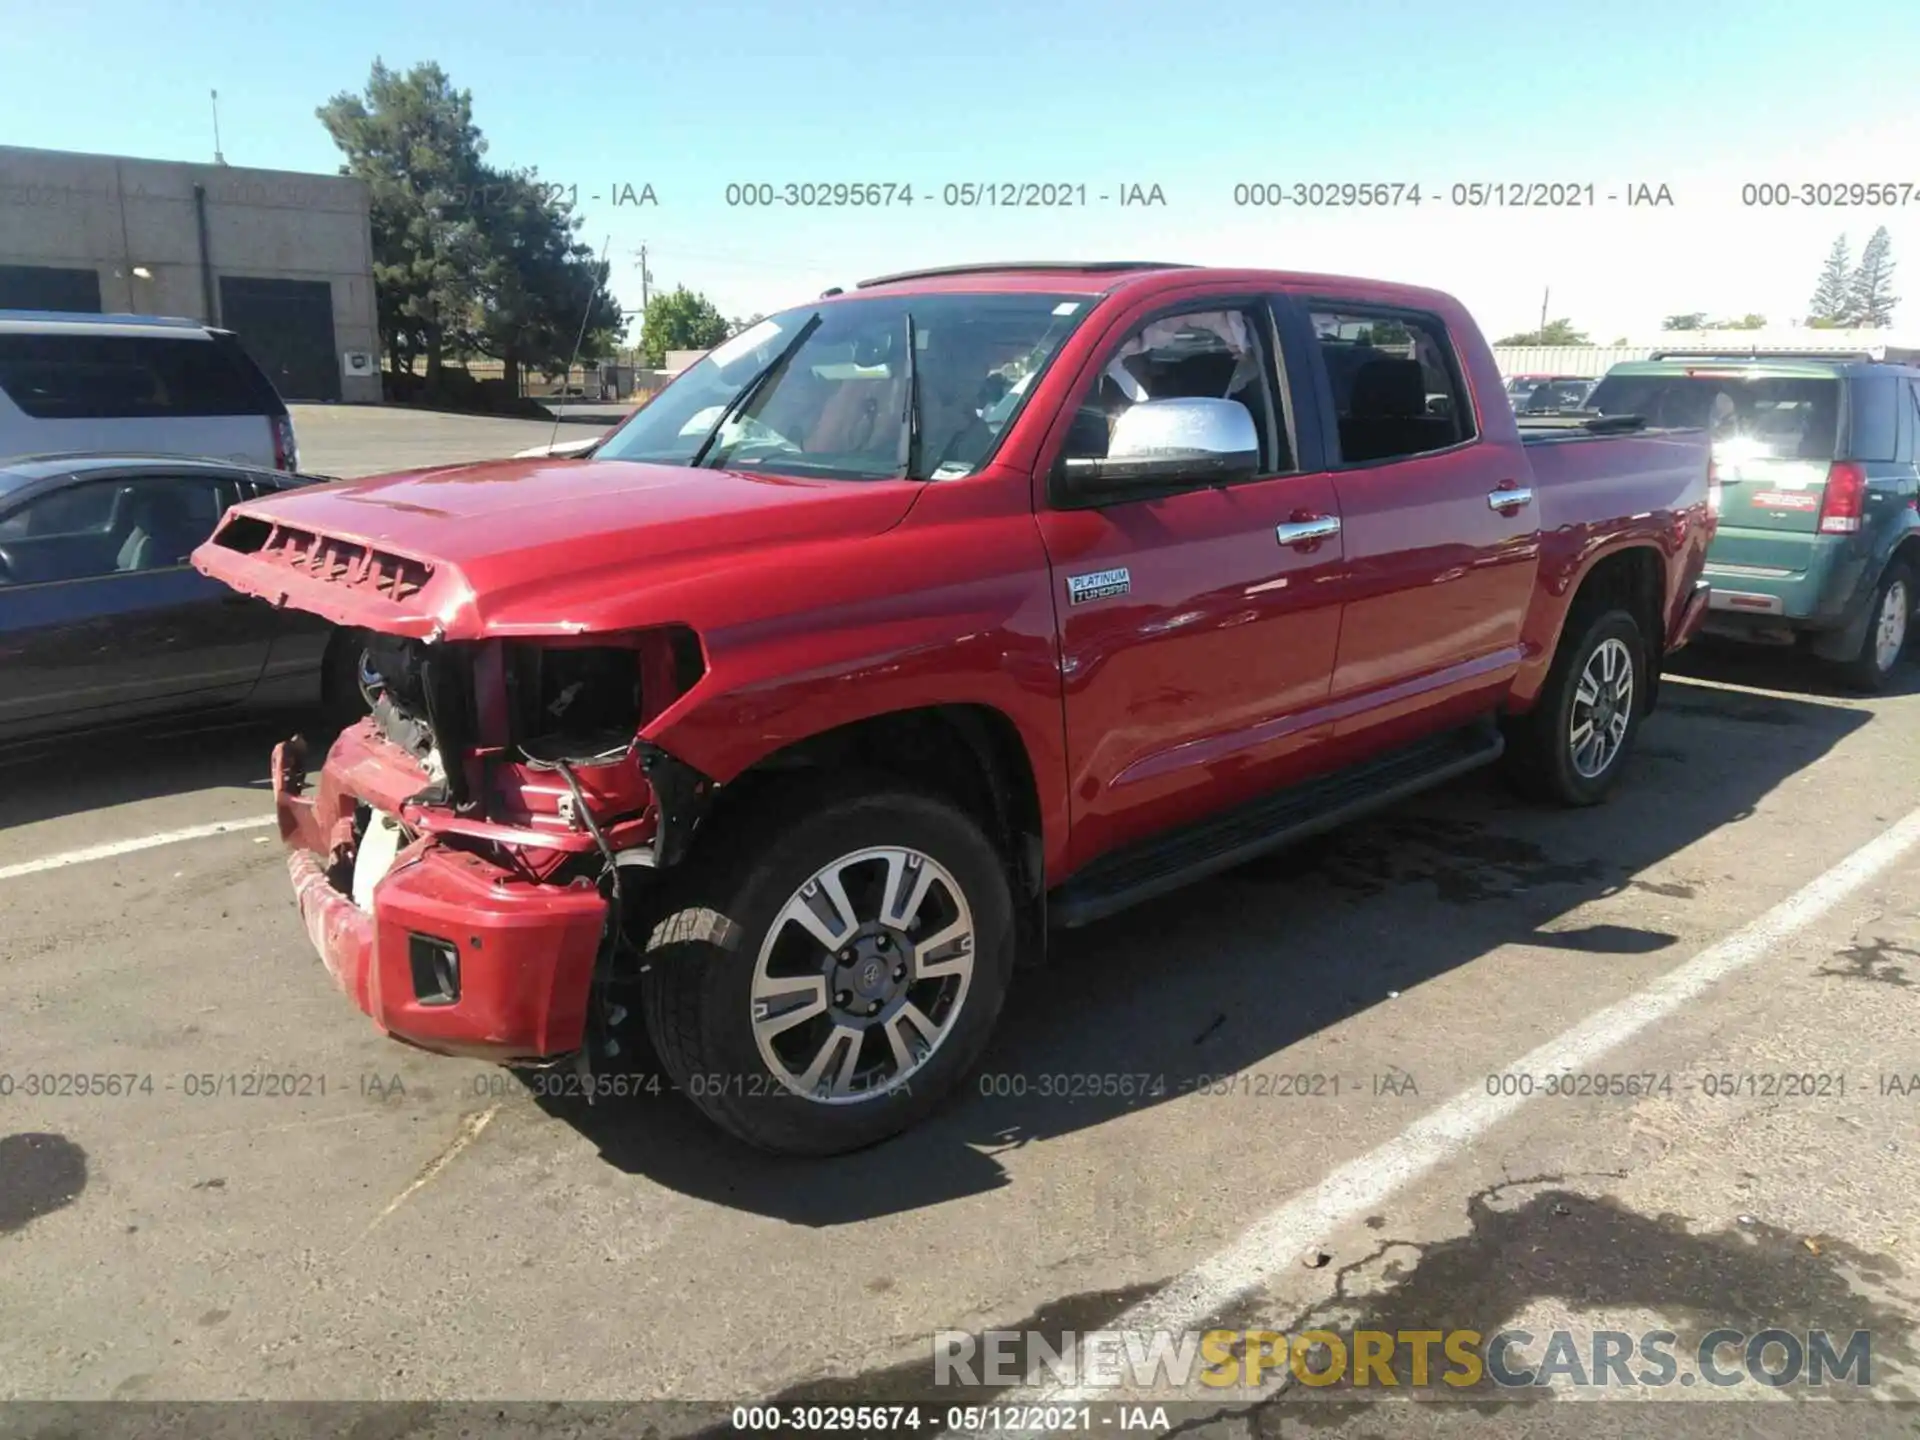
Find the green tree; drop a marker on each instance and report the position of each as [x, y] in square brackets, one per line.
[412, 138]
[681, 320]
[738, 326]
[1831, 305]
[1870, 297]
[536, 283]
[1749, 321]
[1557, 332]
[1692, 320]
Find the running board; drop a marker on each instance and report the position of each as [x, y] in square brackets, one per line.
[1142, 872]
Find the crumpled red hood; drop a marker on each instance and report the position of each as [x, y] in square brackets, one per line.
[523, 546]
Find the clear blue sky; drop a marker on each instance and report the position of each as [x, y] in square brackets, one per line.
[1191, 97]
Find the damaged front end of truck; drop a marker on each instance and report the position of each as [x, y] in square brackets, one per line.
[468, 859]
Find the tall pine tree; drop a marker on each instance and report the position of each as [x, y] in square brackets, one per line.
[1870, 297]
[1831, 302]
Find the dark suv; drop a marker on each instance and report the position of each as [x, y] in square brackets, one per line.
[1819, 539]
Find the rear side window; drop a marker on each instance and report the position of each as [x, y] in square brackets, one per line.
[111, 377]
[1875, 418]
[1397, 390]
[1780, 417]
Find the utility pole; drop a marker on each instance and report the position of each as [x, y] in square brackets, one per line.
[646, 297]
[1543, 313]
[218, 158]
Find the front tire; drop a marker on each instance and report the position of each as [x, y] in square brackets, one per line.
[1571, 748]
[1880, 648]
[836, 971]
[345, 675]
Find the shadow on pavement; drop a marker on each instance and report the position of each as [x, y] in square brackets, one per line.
[70, 775]
[1215, 979]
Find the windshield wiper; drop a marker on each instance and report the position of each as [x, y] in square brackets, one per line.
[910, 422]
[740, 402]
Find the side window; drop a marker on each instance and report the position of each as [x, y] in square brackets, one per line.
[1397, 390]
[1912, 388]
[110, 527]
[1875, 432]
[55, 376]
[75, 510]
[1221, 354]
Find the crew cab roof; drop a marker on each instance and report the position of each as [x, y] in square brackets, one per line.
[1094, 277]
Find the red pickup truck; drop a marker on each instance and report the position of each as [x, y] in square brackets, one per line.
[926, 616]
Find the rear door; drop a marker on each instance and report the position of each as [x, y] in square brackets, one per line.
[168, 392]
[1439, 577]
[101, 616]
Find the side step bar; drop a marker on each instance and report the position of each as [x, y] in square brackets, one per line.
[1142, 872]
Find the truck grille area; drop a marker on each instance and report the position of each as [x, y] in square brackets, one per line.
[326, 557]
[424, 703]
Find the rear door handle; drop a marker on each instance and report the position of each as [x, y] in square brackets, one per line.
[1307, 532]
[1511, 499]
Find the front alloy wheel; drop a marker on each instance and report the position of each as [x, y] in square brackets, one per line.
[862, 975]
[830, 963]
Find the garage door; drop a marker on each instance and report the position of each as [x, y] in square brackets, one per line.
[49, 287]
[287, 326]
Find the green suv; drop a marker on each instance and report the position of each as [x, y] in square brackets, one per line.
[1817, 492]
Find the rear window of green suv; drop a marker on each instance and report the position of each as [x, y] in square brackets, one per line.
[1794, 417]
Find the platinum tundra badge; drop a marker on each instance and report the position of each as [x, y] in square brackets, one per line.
[1100, 585]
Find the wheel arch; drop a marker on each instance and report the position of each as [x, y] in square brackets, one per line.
[1634, 574]
[970, 755]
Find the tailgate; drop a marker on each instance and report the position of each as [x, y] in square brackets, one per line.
[1770, 496]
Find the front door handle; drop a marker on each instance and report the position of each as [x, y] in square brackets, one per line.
[1511, 498]
[1308, 531]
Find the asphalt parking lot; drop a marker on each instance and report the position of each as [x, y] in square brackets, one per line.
[348, 441]
[394, 1225]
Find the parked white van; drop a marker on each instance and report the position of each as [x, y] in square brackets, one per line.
[77, 383]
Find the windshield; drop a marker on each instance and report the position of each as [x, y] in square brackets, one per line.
[1777, 416]
[837, 406]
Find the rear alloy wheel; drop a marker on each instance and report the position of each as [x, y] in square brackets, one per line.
[1886, 637]
[1602, 709]
[854, 959]
[1571, 747]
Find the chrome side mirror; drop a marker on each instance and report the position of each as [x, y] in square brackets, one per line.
[1158, 444]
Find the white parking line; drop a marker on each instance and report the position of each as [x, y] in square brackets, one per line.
[1277, 1238]
[127, 847]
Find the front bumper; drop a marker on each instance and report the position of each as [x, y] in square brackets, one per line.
[525, 949]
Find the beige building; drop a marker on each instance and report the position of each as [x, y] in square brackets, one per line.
[282, 259]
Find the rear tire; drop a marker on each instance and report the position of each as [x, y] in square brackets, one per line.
[1571, 748]
[799, 1047]
[1887, 624]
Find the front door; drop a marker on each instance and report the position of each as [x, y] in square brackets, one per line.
[1196, 636]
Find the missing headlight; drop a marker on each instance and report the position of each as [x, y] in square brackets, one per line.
[571, 702]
